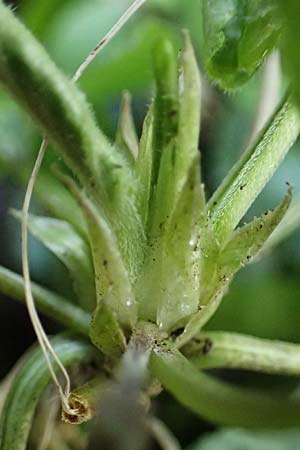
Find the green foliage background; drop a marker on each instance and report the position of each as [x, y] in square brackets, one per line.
[264, 300]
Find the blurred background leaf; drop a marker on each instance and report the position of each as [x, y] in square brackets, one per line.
[247, 440]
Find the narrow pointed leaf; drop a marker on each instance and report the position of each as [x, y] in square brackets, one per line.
[165, 131]
[62, 239]
[126, 138]
[143, 167]
[220, 402]
[257, 165]
[217, 267]
[247, 241]
[111, 275]
[289, 224]
[28, 385]
[179, 148]
[47, 302]
[189, 112]
[165, 124]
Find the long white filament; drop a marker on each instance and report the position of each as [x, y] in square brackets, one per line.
[36, 323]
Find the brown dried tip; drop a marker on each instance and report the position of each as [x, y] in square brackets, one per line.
[82, 410]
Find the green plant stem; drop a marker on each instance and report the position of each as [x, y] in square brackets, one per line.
[52, 305]
[254, 169]
[231, 350]
[220, 402]
[28, 385]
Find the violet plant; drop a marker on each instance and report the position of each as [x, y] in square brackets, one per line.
[151, 259]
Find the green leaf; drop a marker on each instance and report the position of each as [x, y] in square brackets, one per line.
[178, 251]
[248, 177]
[126, 138]
[143, 167]
[247, 241]
[64, 116]
[220, 402]
[189, 112]
[176, 129]
[168, 289]
[112, 278]
[219, 349]
[238, 34]
[49, 303]
[29, 384]
[165, 129]
[105, 332]
[62, 239]
[233, 439]
[218, 266]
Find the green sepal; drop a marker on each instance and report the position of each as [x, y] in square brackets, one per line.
[213, 399]
[28, 385]
[105, 331]
[238, 35]
[126, 137]
[63, 240]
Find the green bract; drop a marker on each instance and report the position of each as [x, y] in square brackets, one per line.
[150, 259]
